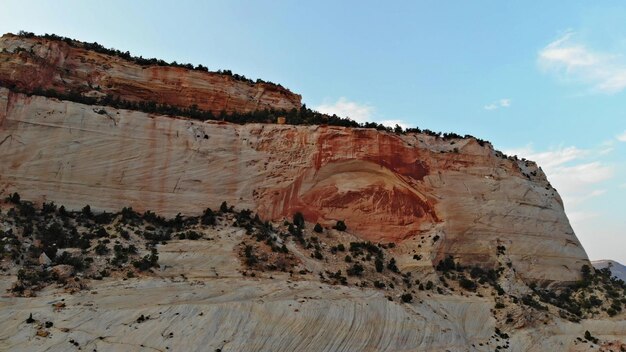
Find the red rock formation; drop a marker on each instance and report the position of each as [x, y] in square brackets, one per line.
[38, 63]
[364, 177]
[432, 196]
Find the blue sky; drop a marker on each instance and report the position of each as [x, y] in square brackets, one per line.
[543, 80]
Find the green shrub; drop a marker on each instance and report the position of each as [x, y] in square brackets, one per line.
[48, 208]
[251, 258]
[65, 258]
[298, 219]
[447, 264]
[101, 248]
[27, 209]
[589, 337]
[467, 284]
[208, 217]
[378, 263]
[392, 266]
[340, 226]
[355, 270]
[86, 211]
[190, 235]
[531, 302]
[148, 261]
[129, 214]
[407, 298]
[14, 198]
[338, 277]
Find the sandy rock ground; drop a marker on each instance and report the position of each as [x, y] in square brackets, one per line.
[200, 301]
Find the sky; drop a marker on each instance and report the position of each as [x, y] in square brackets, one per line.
[544, 80]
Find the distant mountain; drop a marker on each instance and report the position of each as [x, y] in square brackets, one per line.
[617, 269]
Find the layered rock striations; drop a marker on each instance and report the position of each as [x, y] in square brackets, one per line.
[432, 196]
[386, 187]
[40, 63]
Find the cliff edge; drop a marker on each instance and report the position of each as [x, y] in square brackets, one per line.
[39, 63]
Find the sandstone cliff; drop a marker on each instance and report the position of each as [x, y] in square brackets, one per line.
[410, 189]
[435, 197]
[431, 197]
[39, 63]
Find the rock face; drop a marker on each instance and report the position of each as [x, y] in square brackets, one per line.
[243, 315]
[386, 187]
[38, 63]
[63, 271]
[44, 259]
[431, 196]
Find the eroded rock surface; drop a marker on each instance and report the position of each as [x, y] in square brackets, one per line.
[463, 196]
[39, 63]
[199, 300]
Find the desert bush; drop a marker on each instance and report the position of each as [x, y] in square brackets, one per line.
[101, 248]
[407, 298]
[340, 225]
[355, 270]
[446, 265]
[392, 265]
[208, 217]
[379, 265]
[298, 219]
[467, 284]
[148, 261]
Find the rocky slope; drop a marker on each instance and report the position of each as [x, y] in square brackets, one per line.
[39, 63]
[206, 295]
[244, 314]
